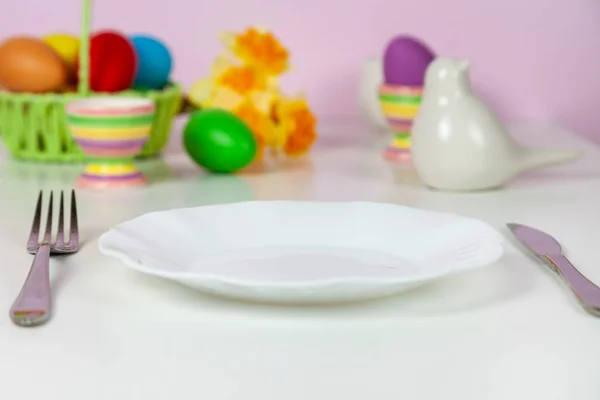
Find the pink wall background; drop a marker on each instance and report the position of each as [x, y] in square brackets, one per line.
[535, 60]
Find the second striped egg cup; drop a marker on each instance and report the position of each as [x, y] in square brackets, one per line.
[111, 131]
[399, 105]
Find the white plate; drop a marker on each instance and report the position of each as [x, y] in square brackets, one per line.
[292, 251]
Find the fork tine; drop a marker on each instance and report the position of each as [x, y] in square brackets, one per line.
[60, 235]
[74, 232]
[48, 233]
[34, 235]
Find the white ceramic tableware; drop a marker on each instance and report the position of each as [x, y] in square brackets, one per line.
[458, 141]
[302, 252]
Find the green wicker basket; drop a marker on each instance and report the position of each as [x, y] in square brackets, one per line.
[34, 126]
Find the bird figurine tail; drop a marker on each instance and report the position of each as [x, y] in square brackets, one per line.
[537, 158]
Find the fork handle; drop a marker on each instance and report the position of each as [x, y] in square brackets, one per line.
[586, 291]
[33, 305]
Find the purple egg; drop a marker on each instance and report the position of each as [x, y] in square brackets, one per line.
[405, 61]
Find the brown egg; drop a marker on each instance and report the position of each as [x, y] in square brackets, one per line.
[30, 65]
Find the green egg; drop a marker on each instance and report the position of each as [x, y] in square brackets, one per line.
[219, 141]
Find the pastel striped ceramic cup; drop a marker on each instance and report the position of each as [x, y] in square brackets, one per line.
[399, 105]
[111, 131]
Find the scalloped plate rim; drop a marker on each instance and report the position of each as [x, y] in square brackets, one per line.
[202, 280]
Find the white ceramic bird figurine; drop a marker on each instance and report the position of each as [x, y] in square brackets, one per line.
[458, 142]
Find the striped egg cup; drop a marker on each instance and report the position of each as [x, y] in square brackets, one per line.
[399, 105]
[111, 131]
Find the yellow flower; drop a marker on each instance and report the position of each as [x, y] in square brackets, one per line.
[298, 124]
[264, 101]
[224, 98]
[259, 123]
[221, 63]
[229, 83]
[200, 92]
[242, 79]
[259, 49]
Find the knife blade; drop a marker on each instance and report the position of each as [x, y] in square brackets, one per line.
[548, 249]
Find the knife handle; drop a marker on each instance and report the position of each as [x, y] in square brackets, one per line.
[586, 291]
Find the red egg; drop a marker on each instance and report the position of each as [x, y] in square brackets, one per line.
[113, 62]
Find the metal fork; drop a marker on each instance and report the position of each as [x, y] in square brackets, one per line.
[33, 306]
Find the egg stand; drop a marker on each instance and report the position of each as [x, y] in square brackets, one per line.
[110, 130]
[34, 126]
[399, 105]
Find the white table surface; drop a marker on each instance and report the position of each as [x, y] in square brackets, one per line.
[509, 331]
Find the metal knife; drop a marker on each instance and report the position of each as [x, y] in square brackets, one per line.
[546, 248]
